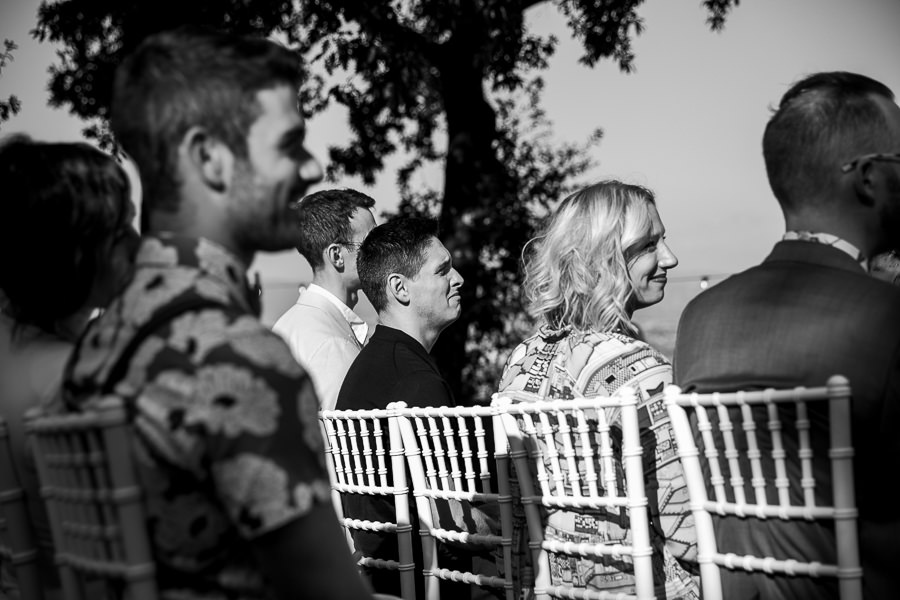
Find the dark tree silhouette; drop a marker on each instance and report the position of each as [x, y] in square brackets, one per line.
[437, 80]
[12, 104]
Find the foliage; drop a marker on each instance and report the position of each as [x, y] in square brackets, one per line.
[11, 105]
[430, 79]
[547, 171]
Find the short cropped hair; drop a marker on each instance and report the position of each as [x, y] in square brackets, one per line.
[397, 246]
[325, 219]
[576, 270]
[822, 122]
[61, 203]
[189, 77]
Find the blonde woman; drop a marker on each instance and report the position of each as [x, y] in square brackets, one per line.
[601, 256]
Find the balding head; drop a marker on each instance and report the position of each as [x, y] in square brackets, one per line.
[821, 123]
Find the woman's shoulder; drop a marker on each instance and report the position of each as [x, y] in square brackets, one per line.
[611, 342]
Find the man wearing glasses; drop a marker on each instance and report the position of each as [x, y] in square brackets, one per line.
[812, 310]
[322, 330]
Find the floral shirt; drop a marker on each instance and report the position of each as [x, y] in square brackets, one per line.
[227, 439]
[556, 364]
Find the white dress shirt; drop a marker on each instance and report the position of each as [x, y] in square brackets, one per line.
[325, 336]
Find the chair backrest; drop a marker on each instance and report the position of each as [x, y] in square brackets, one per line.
[726, 423]
[17, 544]
[358, 444]
[90, 487]
[459, 467]
[565, 455]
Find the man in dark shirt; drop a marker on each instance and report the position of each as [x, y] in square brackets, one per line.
[409, 278]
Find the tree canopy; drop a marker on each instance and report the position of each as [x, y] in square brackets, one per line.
[456, 82]
[12, 104]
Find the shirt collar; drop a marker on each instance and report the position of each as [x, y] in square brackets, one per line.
[169, 250]
[828, 239]
[359, 327]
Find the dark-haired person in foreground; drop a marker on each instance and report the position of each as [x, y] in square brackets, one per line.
[321, 328]
[231, 457]
[67, 242]
[809, 311]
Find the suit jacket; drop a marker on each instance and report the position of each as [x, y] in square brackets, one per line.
[807, 312]
[322, 341]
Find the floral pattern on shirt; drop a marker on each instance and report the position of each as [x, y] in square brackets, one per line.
[561, 364]
[227, 440]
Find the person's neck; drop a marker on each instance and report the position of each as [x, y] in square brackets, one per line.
[195, 227]
[410, 327]
[846, 229]
[335, 286]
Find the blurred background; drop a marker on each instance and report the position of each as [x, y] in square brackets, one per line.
[682, 113]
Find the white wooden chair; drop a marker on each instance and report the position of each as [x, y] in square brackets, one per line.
[358, 443]
[715, 464]
[17, 544]
[563, 452]
[90, 487]
[451, 465]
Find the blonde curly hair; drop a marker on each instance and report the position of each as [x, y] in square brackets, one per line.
[576, 271]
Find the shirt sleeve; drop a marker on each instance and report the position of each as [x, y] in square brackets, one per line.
[665, 484]
[328, 365]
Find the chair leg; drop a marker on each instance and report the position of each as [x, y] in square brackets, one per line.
[71, 584]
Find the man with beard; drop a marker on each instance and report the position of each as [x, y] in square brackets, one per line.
[809, 311]
[230, 455]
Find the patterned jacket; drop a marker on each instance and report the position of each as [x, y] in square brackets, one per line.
[555, 364]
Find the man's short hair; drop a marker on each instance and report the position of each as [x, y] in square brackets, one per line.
[62, 206]
[397, 246]
[822, 122]
[186, 78]
[325, 219]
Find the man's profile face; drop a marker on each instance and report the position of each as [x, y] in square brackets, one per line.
[434, 291]
[361, 224]
[277, 172]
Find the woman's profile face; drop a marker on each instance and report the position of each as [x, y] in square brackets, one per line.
[649, 259]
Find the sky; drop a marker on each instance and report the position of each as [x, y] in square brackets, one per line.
[687, 123]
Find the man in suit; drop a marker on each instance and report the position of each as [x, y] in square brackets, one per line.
[321, 328]
[811, 310]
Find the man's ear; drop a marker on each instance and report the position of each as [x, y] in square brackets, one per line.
[865, 182]
[397, 287]
[211, 160]
[334, 256]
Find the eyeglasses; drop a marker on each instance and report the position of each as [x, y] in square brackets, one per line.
[351, 245]
[890, 157]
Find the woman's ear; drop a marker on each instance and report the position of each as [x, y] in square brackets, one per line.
[397, 287]
[210, 159]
